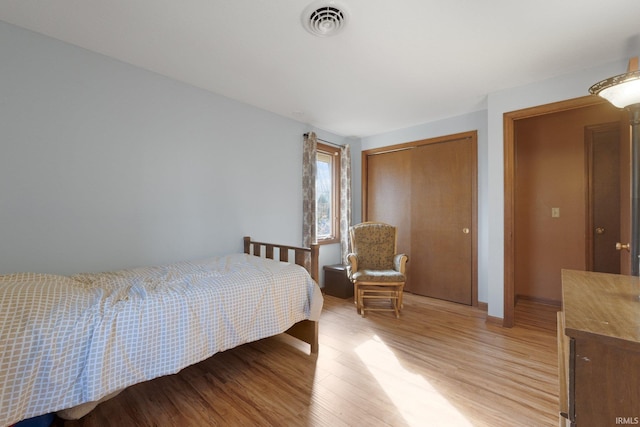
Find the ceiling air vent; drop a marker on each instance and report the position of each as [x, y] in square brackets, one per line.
[324, 18]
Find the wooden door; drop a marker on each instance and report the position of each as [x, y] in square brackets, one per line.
[603, 198]
[391, 201]
[428, 190]
[441, 218]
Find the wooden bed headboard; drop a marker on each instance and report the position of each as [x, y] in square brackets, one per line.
[299, 253]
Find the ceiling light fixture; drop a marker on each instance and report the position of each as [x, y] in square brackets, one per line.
[325, 18]
[623, 91]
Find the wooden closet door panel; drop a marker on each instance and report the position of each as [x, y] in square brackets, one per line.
[442, 221]
[389, 196]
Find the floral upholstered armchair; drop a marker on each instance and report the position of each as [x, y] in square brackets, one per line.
[374, 267]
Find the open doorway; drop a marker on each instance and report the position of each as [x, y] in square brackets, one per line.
[546, 191]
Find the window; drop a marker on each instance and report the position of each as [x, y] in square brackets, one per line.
[328, 194]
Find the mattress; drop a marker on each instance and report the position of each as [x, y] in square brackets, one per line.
[67, 340]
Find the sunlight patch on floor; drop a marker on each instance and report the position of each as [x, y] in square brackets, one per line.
[419, 403]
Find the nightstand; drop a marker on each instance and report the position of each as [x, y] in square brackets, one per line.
[336, 282]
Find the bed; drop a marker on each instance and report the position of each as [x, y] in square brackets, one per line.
[70, 342]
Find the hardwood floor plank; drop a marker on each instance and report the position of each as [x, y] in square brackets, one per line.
[440, 364]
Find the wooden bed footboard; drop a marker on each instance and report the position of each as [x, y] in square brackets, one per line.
[307, 330]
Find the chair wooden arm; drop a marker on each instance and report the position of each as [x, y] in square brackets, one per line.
[352, 265]
[399, 262]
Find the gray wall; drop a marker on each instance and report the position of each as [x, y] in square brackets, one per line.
[104, 165]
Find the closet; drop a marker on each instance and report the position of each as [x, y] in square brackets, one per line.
[428, 189]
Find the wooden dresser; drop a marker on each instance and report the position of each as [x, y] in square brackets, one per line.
[599, 349]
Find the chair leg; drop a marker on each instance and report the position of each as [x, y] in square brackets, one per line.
[355, 294]
[397, 303]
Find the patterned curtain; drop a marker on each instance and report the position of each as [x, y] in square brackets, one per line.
[345, 201]
[309, 189]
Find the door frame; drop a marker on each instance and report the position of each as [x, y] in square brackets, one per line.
[509, 120]
[473, 136]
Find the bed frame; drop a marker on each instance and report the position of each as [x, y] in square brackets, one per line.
[306, 330]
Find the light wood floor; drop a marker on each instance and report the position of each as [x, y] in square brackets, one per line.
[440, 364]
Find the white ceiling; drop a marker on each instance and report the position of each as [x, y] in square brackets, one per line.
[398, 63]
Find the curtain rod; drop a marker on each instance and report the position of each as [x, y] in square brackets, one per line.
[326, 142]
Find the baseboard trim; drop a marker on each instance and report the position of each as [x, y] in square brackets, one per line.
[539, 300]
[494, 320]
[489, 319]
